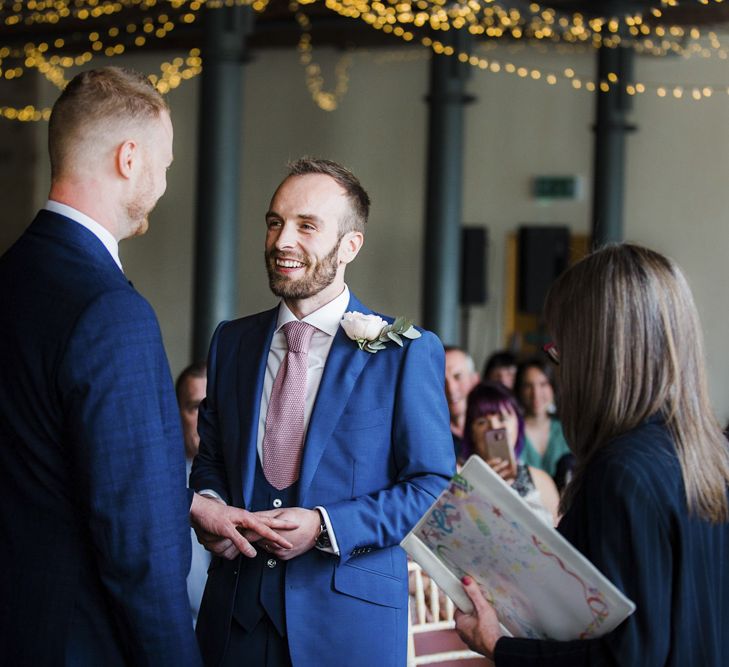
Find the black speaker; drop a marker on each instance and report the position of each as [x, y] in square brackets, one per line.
[474, 274]
[543, 255]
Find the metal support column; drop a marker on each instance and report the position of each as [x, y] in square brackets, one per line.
[218, 172]
[443, 202]
[611, 128]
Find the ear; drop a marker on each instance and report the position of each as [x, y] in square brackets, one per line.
[126, 156]
[350, 246]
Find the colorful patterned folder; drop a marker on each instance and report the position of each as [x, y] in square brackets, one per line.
[539, 584]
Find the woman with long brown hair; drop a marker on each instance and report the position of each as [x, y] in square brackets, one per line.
[648, 501]
[544, 442]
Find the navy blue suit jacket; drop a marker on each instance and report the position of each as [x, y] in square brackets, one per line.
[631, 520]
[378, 451]
[93, 506]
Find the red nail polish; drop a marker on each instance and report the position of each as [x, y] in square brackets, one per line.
[466, 581]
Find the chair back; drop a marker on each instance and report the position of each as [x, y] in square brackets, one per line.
[432, 639]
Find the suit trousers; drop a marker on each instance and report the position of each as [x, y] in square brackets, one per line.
[261, 647]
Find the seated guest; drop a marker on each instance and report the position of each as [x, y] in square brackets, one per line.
[544, 442]
[501, 367]
[461, 377]
[492, 406]
[648, 504]
[190, 388]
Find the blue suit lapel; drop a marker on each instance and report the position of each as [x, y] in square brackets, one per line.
[344, 365]
[252, 359]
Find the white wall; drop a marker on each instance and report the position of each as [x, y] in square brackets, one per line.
[677, 185]
[678, 196]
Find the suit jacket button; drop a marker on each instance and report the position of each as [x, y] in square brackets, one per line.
[271, 562]
[277, 502]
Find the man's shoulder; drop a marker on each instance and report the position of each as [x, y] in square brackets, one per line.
[247, 322]
[256, 325]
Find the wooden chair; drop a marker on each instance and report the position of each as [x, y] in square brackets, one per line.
[432, 639]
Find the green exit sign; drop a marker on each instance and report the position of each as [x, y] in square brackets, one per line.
[556, 187]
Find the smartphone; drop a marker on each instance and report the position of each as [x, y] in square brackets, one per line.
[497, 445]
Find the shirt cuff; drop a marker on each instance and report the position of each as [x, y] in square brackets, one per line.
[333, 548]
[214, 494]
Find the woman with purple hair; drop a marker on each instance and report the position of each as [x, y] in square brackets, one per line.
[491, 407]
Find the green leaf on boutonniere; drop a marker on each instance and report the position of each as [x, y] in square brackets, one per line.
[398, 324]
[395, 337]
[374, 346]
[412, 333]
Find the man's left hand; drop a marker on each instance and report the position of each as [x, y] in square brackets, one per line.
[227, 531]
[302, 538]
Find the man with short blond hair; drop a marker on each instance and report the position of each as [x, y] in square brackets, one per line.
[94, 512]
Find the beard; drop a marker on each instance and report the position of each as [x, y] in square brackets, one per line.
[138, 209]
[318, 275]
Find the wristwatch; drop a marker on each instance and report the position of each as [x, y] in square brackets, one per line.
[323, 541]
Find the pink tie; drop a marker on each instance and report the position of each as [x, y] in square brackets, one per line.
[283, 441]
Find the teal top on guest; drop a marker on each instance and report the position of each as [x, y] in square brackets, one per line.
[556, 449]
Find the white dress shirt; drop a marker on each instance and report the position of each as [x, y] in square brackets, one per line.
[326, 321]
[99, 231]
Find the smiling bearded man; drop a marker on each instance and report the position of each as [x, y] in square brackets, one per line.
[322, 273]
[299, 422]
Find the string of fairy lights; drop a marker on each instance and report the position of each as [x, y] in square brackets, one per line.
[111, 33]
[112, 41]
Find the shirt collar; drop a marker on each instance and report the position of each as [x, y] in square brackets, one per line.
[326, 319]
[99, 231]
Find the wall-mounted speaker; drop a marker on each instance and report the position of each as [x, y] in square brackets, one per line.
[543, 255]
[474, 266]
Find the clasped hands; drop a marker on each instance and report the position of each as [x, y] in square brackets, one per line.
[228, 531]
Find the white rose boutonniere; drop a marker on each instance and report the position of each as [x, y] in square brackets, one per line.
[371, 332]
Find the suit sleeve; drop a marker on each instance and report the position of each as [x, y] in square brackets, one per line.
[627, 537]
[208, 468]
[423, 457]
[128, 458]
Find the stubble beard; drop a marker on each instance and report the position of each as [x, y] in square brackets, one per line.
[318, 276]
[138, 210]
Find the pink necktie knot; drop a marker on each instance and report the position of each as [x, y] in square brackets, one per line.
[298, 335]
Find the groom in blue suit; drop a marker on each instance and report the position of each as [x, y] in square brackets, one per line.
[94, 514]
[365, 457]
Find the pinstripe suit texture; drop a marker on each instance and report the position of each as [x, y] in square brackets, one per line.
[93, 507]
[631, 520]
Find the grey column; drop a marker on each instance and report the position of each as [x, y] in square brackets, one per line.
[611, 128]
[20, 153]
[443, 202]
[218, 179]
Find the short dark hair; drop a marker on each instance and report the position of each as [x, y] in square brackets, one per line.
[104, 96]
[198, 369]
[359, 200]
[499, 359]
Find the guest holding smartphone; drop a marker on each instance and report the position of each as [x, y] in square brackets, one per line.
[494, 430]
[648, 501]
